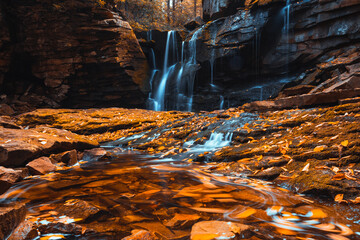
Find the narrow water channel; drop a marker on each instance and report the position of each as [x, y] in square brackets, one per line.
[107, 199]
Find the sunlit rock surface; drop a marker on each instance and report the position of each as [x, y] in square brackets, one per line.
[169, 172]
[269, 145]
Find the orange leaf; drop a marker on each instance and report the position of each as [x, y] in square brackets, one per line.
[339, 176]
[318, 213]
[339, 198]
[319, 148]
[345, 143]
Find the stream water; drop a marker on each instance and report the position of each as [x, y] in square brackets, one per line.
[109, 197]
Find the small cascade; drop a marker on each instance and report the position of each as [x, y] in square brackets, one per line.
[221, 107]
[218, 140]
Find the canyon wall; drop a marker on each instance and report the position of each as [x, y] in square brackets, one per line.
[268, 44]
[72, 53]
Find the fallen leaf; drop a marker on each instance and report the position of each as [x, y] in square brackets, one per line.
[306, 168]
[338, 177]
[319, 148]
[334, 137]
[356, 200]
[345, 143]
[349, 177]
[339, 198]
[210, 210]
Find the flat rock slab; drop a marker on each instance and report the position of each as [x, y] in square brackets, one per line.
[304, 100]
[18, 146]
[80, 209]
[208, 230]
[10, 218]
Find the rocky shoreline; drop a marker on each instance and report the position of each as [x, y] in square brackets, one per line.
[310, 151]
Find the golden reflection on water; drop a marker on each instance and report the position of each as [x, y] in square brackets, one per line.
[168, 197]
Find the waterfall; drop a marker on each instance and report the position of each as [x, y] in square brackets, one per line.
[172, 86]
[186, 76]
[286, 29]
[159, 96]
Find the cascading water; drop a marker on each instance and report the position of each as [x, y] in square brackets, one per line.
[221, 102]
[156, 99]
[286, 30]
[187, 74]
[172, 86]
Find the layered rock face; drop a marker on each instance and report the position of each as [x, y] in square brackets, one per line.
[266, 44]
[69, 53]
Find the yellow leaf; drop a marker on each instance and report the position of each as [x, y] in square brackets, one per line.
[248, 212]
[345, 143]
[319, 148]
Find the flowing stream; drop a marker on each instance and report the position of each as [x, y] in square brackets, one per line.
[109, 197]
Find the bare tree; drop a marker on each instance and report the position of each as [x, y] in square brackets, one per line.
[195, 4]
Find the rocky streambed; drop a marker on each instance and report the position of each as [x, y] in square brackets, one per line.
[116, 173]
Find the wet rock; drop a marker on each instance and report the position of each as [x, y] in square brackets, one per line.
[25, 231]
[182, 220]
[6, 109]
[219, 229]
[83, 210]
[8, 177]
[8, 122]
[305, 100]
[22, 145]
[194, 24]
[94, 154]
[41, 166]
[69, 158]
[349, 100]
[297, 90]
[10, 218]
[158, 229]
[268, 174]
[138, 234]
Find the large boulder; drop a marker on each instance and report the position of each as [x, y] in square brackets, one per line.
[10, 218]
[73, 52]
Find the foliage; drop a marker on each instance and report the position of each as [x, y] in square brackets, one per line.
[158, 14]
